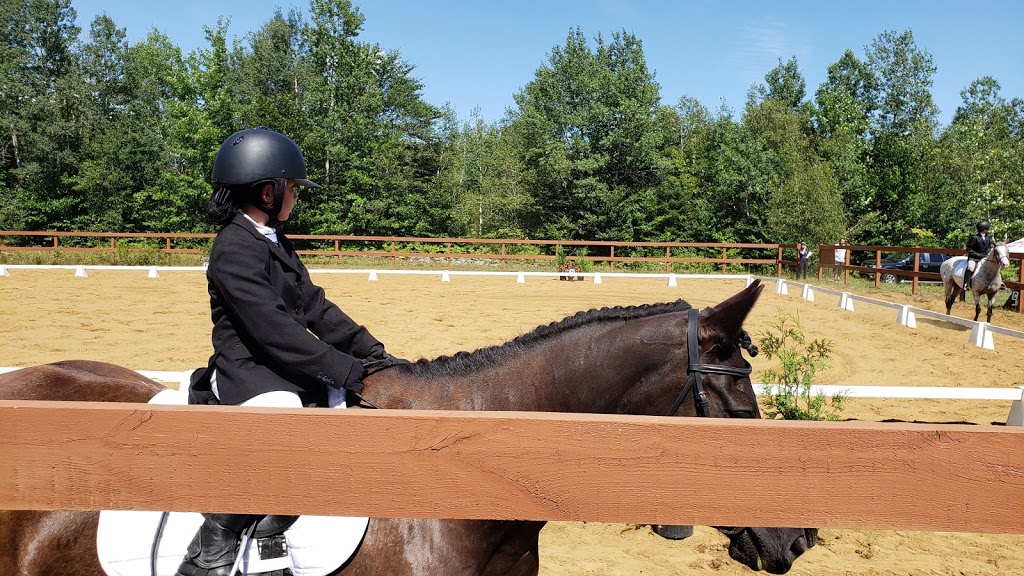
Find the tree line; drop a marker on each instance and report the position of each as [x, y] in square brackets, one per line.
[103, 134]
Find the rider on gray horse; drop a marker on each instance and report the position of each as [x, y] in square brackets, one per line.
[977, 249]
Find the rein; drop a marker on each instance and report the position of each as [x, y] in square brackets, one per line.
[372, 367]
[694, 369]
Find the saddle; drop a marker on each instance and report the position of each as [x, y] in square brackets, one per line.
[132, 543]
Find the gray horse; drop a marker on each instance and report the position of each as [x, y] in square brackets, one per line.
[986, 280]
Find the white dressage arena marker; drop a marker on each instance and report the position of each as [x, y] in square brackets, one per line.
[750, 280]
[672, 280]
[597, 278]
[521, 279]
[4, 272]
[981, 336]
[80, 272]
[845, 302]
[373, 276]
[906, 317]
[781, 287]
[808, 293]
[1016, 416]
[445, 277]
[153, 273]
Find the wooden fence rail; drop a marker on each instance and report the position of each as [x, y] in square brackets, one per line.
[509, 465]
[447, 249]
[506, 250]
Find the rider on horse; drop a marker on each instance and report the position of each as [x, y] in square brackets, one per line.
[278, 341]
[977, 249]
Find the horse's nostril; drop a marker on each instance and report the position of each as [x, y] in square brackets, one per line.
[799, 546]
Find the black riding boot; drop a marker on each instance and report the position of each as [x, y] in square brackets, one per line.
[215, 546]
[967, 283]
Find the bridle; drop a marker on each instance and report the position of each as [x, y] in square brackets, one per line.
[694, 369]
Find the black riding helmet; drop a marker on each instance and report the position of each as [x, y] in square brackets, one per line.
[250, 157]
[983, 225]
[259, 154]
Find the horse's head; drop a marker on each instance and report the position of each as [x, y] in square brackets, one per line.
[721, 376]
[718, 376]
[1000, 253]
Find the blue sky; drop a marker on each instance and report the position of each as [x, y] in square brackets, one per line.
[479, 53]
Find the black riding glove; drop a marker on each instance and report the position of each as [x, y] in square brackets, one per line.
[354, 381]
[378, 359]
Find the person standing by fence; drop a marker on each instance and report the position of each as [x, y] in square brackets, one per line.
[840, 259]
[802, 255]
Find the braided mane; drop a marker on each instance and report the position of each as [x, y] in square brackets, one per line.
[463, 362]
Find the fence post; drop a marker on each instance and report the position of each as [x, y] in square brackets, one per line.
[725, 256]
[878, 266]
[820, 260]
[917, 264]
[778, 262]
[846, 263]
[668, 254]
[1020, 291]
[503, 255]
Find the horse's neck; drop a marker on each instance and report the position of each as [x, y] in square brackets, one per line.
[990, 263]
[587, 369]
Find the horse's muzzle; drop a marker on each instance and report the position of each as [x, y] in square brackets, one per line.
[771, 549]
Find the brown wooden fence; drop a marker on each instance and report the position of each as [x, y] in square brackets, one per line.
[513, 465]
[446, 249]
[506, 250]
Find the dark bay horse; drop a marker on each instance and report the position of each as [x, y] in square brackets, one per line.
[623, 360]
[986, 281]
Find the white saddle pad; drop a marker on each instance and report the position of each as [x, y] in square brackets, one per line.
[959, 269]
[317, 545]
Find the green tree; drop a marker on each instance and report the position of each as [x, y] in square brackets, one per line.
[902, 134]
[788, 192]
[42, 98]
[373, 131]
[589, 142]
[841, 125]
[481, 180]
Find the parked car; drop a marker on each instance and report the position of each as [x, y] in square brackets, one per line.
[928, 262]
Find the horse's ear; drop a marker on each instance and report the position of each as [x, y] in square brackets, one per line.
[728, 316]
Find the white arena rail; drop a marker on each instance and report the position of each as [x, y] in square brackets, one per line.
[981, 332]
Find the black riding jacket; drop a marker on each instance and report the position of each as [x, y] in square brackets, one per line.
[273, 329]
[978, 245]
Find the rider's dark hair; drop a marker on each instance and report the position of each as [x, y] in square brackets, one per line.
[227, 200]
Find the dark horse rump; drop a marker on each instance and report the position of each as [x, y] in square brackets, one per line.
[625, 360]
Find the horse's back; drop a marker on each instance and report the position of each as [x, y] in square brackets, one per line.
[77, 380]
[39, 543]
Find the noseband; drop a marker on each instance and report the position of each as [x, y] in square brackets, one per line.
[694, 369]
